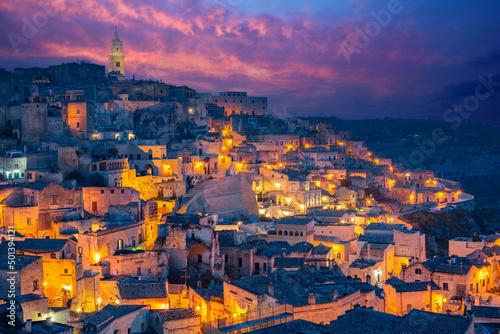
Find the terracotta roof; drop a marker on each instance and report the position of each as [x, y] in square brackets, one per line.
[362, 320]
[432, 323]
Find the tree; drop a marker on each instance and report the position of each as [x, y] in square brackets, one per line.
[346, 183]
[113, 152]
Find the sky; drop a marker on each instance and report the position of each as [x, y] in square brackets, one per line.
[353, 59]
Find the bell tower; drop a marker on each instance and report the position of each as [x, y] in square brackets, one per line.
[116, 57]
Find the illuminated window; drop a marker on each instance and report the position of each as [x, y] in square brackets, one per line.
[28, 221]
[35, 285]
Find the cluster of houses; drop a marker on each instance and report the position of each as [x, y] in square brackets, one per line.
[132, 206]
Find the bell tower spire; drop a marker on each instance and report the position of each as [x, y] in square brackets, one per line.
[116, 57]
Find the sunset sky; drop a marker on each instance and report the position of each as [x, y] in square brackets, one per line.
[427, 57]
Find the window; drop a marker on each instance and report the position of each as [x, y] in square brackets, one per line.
[226, 258]
[70, 201]
[418, 271]
[80, 250]
[123, 192]
[52, 255]
[408, 308]
[28, 221]
[240, 262]
[119, 244]
[139, 271]
[112, 191]
[77, 124]
[65, 271]
[445, 286]
[77, 111]
[35, 285]
[54, 199]
[118, 65]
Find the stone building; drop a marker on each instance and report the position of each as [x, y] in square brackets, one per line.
[29, 278]
[115, 319]
[81, 118]
[59, 266]
[13, 166]
[126, 291]
[401, 297]
[457, 277]
[98, 200]
[176, 321]
[318, 295]
[238, 103]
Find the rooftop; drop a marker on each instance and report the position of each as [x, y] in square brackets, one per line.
[37, 245]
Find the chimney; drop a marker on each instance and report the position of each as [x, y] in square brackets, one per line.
[271, 288]
[454, 259]
[449, 260]
[27, 326]
[335, 294]
[311, 298]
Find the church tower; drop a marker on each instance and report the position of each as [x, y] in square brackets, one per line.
[116, 57]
